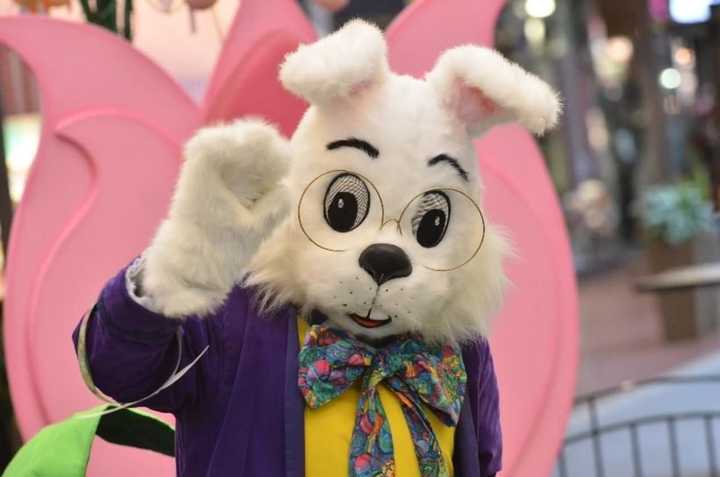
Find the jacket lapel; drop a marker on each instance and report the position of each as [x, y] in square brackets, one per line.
[465, 456]
[255, 398]
[294, 407]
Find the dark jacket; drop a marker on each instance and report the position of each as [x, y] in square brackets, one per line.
[239, 411]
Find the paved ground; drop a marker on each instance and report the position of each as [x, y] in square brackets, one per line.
[696, 436]
[621, 338]
[621, 341]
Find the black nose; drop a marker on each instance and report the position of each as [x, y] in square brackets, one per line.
[384, 262]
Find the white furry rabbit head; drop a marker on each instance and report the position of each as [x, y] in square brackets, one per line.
[386, 232]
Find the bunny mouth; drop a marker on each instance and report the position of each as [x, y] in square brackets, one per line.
[367, 322]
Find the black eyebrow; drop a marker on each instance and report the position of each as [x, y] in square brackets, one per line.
[356, 143]
[452, 161]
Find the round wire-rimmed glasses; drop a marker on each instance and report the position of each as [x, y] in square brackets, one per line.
[450, 214]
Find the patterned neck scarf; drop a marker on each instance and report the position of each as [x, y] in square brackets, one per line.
[418, 373]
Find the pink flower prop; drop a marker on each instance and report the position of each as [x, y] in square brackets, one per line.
[113, 127]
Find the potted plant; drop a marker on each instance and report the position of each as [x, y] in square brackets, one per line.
[678, 223]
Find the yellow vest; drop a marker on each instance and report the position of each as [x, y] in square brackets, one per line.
[329, 428]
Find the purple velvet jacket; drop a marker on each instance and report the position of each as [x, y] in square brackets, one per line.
[239, 411]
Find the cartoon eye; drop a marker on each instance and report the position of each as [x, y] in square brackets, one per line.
[430, 221]
[347, 202]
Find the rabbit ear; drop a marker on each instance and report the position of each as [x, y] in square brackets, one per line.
[483, 89]
[338, 66]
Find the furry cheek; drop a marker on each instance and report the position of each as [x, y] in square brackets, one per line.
[334, 282]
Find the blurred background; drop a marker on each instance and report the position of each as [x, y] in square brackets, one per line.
[636, 165]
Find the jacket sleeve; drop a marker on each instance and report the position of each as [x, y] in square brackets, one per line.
[131, 351]
[486, 412]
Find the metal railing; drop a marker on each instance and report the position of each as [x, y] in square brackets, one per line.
[596, 430]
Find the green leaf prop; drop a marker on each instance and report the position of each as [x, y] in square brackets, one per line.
[63, 449]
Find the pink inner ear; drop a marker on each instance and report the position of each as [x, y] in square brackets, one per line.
[472, 105]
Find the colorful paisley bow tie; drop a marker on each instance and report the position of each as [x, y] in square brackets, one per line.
[417, 372]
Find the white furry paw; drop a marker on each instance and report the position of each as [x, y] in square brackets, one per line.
[227, 199]
[246, 158]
